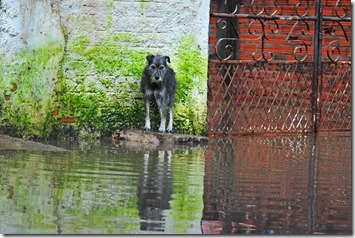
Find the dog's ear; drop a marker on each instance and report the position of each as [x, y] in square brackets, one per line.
[167, 58]
[150, 58]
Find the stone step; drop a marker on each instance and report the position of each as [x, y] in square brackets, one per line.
[12, 143]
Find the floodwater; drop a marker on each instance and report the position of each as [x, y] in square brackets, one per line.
[235, 185]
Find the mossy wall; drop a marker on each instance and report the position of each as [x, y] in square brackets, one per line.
[28, 86]
[100, 86]
[96, 85]
[87, 83]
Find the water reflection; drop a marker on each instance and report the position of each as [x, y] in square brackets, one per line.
[102, 188]
[239, 185]
[278, 185]
[155, 190]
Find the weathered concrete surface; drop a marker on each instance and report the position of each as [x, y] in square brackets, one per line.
[157, 25]
[132, 139]
[11, 143]
[156, 138]
[28, 24]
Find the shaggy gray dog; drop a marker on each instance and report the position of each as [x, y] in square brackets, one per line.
[159, 82]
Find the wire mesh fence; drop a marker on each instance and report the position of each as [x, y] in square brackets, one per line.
[277, 66]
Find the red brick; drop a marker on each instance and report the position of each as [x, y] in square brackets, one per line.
[67, 119]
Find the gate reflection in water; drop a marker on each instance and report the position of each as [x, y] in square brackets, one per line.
[278, 185]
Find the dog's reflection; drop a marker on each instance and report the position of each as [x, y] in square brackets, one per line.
[155, 190]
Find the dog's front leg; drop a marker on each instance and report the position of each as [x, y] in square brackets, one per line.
[171, 119]
[162, 111]
[162, 120]
[147, 114]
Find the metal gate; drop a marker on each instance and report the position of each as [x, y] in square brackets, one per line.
[279, 66]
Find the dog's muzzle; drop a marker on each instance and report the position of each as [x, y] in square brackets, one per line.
[156, 79]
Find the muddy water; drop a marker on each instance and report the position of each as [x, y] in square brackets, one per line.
[247, 185]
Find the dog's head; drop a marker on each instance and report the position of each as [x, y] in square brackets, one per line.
[157, 67]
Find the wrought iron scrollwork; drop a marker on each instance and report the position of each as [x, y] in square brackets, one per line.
[333, 48]
[333, 51]
[338, 5]
[263, 27]
[264, 22]
[300, 51]
[267, 56]
[298, 7]
[228, 49]
[263, 9]
[227, 8]
[262, 35]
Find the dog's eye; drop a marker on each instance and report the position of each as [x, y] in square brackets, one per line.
[152, 66]
[161, 67]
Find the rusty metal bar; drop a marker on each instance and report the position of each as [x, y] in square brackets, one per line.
[274, 61]
[317, 69]
[279, 17]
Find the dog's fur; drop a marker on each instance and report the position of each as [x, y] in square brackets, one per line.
[159, 82]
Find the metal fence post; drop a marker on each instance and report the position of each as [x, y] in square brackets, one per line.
[317, 70]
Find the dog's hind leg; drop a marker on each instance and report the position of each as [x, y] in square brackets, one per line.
[171, 119]
[147, 114]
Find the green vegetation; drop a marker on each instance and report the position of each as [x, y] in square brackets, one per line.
[191, 107]
[29, 78]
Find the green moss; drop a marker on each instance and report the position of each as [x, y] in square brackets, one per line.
[112, 56]
[142, 4]
[34, 71]
[100, 88]
[110, 13]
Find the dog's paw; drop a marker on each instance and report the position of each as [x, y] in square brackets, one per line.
[146, 128]
[161, 130]
[169, 130]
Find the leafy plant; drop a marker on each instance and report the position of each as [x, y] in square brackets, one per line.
[191, 74]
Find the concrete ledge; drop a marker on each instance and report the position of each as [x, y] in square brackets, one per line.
[151, 137]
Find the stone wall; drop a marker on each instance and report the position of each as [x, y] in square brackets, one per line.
[79, 62]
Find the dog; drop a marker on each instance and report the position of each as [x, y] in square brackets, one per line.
[159, 82]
